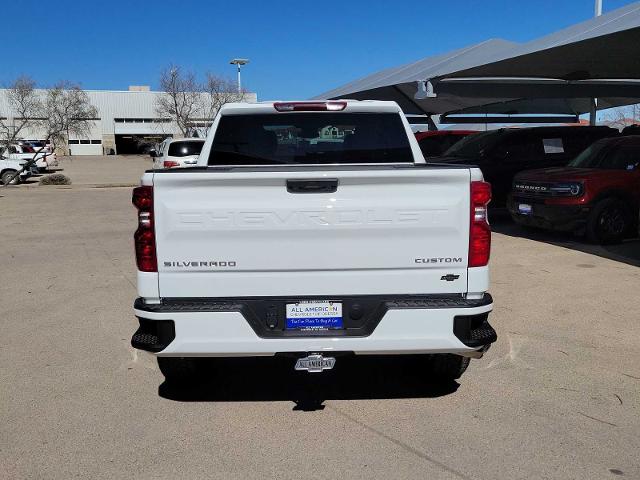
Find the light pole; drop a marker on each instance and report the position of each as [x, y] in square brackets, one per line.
[593, 113]
[239, 62]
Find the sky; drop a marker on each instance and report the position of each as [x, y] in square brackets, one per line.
[297, 49]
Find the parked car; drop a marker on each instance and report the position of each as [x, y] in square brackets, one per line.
[502, 153]
[37, 145]
[435, 143]
[44, 160]
[174, 153]
[631, 130]
[284, 241]
[598, 193]
[9, 166]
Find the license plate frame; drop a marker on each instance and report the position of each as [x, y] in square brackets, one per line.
[314, 315]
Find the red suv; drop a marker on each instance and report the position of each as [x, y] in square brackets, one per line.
[597, 194]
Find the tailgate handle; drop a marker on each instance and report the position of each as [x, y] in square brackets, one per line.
[329, 185]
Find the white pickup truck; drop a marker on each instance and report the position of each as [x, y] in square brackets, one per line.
[282, 242]
[44, 159]
[9, 167]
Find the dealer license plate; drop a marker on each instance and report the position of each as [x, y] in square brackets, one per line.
[314, 315]
[525, 209]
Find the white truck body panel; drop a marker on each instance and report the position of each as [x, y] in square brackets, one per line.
[347, 242]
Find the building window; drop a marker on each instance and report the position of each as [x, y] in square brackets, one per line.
[142, 120]
[85, 142]
[96, 142]
[73, 142]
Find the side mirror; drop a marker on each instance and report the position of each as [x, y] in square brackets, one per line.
[153, 153]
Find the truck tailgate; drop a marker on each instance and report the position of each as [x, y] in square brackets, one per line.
[242, 233]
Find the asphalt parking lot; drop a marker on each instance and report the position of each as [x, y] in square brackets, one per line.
[558, 396]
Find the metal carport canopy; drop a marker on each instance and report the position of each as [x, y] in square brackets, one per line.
[554, 74]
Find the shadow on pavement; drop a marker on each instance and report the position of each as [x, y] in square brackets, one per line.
[626, 252]
[274, 379]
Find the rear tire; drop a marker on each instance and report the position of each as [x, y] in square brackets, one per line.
[179, 369]
[608, 222]
[7, 174]
[446, 367]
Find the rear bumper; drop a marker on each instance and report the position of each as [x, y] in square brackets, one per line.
[566, 218]
[422, 324]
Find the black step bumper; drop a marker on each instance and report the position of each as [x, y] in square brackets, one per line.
[266, 316]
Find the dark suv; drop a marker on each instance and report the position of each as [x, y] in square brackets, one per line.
[598, 193]
[435, 143]
[501, 154]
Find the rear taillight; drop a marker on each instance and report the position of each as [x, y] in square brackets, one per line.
[479, 229]
[145, 239]
[310, 106]
[170, 164]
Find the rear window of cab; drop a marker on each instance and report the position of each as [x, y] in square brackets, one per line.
[310, 138]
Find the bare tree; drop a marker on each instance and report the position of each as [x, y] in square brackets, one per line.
[220, 90]
[621, 117]
[23, 106]
[182, 98]
[65, 110]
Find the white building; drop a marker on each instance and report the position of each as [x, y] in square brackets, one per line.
[126, 121]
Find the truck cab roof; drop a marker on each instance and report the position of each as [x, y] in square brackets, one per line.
[315, 106]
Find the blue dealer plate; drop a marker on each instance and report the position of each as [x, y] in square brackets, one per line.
[314, 315]
[525, 209]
